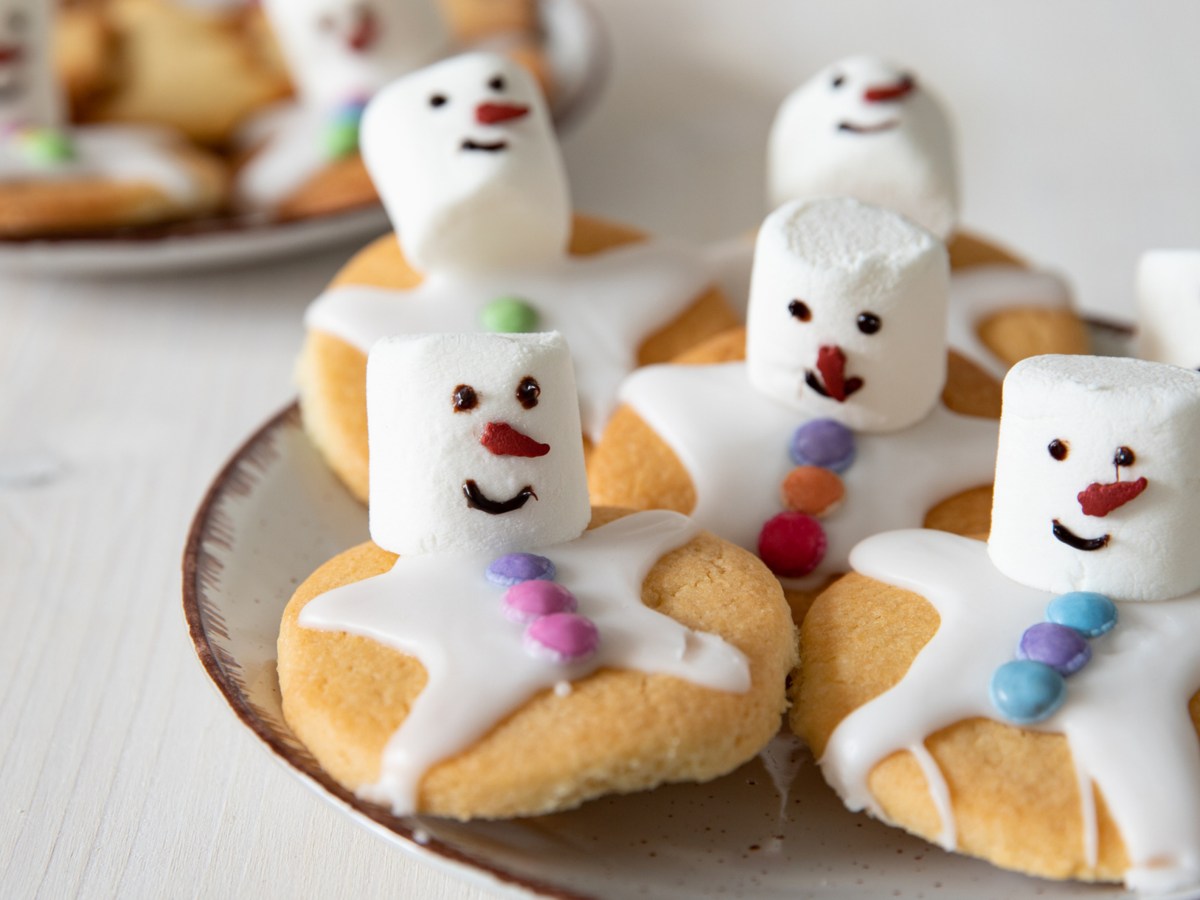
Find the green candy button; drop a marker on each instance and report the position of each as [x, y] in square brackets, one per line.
[509, 315]
[341, 138]
[47, 146]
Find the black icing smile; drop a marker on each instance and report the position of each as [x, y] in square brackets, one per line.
[868, 129]
[1071, 539]
[493, 147]
[477, 499]
[813, 381]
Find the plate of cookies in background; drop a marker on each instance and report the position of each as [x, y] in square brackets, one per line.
[160, 134]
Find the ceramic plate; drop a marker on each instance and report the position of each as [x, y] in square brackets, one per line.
[577, 55]
[770, 829]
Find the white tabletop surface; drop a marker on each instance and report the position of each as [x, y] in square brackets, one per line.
[121, 772]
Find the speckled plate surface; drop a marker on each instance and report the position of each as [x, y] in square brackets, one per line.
[577, 56]
[770, 829]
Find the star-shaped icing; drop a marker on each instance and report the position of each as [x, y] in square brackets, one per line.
[1125, 717]
[734, 441]
[440, 609]
[605, 304]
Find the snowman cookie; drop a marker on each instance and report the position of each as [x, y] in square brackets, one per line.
[58, 179]
[467, 164]
[1168, 307]
[1033, 700]
[490, 655]
[865, 128]
[832, 418]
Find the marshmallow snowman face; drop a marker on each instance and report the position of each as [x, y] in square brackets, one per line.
[1098, 477]
[339, 51]
[847, 315]
[475, 443]
[863, 128]
[1168, 296]
[29, 93]
[465, 159]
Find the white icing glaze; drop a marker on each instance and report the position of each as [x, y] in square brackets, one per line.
[1125, 718]
[124, 153]
[734, 443]
[605, 304]
[440, 609]
[1168, 307]
[287, 153]
[979, 292]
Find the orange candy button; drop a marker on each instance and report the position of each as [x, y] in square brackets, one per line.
[812, 490]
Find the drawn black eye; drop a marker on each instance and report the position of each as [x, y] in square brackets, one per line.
[1124, 457]
[838, 80]
[465, 399]
[799, 310]
[438, 100]
[528, 392]
[1058, 449]
[869, 323]
[497, 83]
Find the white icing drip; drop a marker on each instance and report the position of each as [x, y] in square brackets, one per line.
[123, 153]
[605, 304]
[1087, 806]
[288, 153]
[734, 443]
[440, 609]
[1125, 718]
[940, 792]
[980, 292]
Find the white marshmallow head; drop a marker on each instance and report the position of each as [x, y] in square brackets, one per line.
[465, 158]
[1098, 477]
[475, 443]
[847, 315]
[864, 128]
[1168, 296]
[340, 51]
[29, 92]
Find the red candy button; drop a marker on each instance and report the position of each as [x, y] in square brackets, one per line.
[792, 544]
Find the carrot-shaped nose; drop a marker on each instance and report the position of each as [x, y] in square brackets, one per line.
[502, 439]
[831, 363]
[1101, 499]
[365, 32]
[10, 53]
[495, 113]
[888, 93]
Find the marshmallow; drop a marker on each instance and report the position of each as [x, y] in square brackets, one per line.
[863, 128]
[1098, 477]
[29, 91]
[847, 315]
[475, 443]
[1168, 296]
[465, 159]
[342, 50]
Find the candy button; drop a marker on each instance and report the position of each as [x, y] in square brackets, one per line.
[563, 637]
[513, 568]
[812, 490]
[341, 137]
[531, 600]
[47, 146]
[792, 544]
[824, 443]
[1089, 613]
[509, 315]
[1024, 691]
[1061, 648]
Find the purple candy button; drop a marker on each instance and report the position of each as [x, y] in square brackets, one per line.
[1061, 648]
[531, 600]
[513, 568]
[825, 443]
[564, 637]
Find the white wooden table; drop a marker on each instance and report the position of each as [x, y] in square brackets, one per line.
[121, 772]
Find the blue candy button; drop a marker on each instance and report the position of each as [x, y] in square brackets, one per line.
[1089, 613]
[1024, 691]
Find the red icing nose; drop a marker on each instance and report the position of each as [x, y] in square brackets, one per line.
[495, 113]
[1101, 499]
[10, 53]
[365, 32]
[502, 439]
[831, 363]
[889, 93]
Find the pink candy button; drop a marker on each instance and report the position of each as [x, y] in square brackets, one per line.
[531, 600]
[564, 637]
